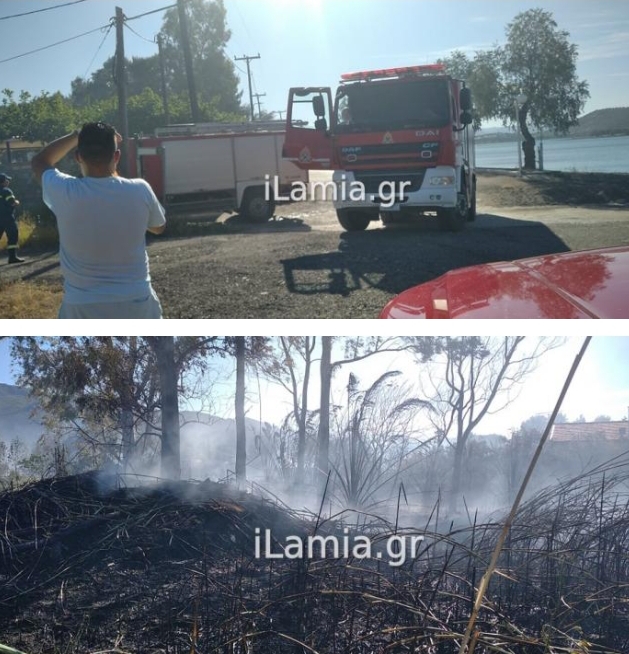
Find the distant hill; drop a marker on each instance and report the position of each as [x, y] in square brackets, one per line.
[603, 122]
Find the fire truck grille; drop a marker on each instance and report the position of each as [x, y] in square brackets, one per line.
[373, 179]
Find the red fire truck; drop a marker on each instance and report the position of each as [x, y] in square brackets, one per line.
[225, 166]
[399, 141]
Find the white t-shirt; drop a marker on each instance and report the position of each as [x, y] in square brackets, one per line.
[102, 224]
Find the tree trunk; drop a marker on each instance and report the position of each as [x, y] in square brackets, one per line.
[323, 438]
[303, 415]
[241, 434]
[164, 347]
[128, 440]
[528, 144]
[455, 491]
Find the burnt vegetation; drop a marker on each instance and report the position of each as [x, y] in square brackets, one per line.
[117, 560]
[87, 564]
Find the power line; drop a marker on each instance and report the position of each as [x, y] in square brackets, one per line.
[72, 38]
[52, 45]
[155, 11]
[242, 20]
[37, 11]
[137, 34]
[99, 47]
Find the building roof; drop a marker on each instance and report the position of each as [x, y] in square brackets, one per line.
[591, 431]
[18, 144]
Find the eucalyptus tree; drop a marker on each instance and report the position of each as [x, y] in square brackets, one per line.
[469, 378]
[117, 381]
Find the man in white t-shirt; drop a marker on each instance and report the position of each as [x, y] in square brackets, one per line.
[102, 220]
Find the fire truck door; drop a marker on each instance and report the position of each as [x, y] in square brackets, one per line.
[308, 141]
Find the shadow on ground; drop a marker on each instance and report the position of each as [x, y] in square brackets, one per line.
[392, 259]
[211, 223]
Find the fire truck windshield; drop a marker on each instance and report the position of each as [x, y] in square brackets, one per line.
[393, 104]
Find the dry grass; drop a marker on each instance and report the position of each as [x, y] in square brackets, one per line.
[29, 300]
[34, 232]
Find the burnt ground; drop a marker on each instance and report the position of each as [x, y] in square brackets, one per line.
[302, 265]
[553, 188]
[89, 566]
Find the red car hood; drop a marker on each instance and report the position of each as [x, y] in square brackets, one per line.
[592, 284]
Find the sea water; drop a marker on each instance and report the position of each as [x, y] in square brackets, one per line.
[609, 154]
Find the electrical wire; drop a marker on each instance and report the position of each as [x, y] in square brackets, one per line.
[148, 13]
[242, 20]
[37, 11]
[137, 34]
[99, 47]
[52, 45]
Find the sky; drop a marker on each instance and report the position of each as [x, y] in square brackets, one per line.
[601, 386]
[311, 42]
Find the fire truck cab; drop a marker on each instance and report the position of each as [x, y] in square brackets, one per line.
[399, 140]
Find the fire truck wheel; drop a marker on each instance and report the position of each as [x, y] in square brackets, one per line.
[454, 219]
[389, 217]
[255, 207]
[352, 220]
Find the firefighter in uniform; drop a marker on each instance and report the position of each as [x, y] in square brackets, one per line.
[8, 224]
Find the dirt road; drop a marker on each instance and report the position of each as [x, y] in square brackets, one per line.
[302, 265]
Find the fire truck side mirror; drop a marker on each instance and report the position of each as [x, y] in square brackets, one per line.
[318, 106]
[321, 125]
[465, 99]
[466, 117]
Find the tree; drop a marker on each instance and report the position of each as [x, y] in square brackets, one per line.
[476, 376]
[539, 64]
[214, 72]
[164, 348]
[482, 76]
[102, 386]
[91, 382]
[41, 118]
[241, 434]
[284, 366]
[323, 434]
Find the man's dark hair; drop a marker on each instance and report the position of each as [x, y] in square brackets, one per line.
[97, 143]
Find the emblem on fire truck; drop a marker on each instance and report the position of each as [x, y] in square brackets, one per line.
[305, 156]
[387, 138]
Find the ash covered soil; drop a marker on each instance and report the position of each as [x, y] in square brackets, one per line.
[89, 566]
[301, 264]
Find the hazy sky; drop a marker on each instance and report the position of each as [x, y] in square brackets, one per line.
[600, 387]
[311, 42]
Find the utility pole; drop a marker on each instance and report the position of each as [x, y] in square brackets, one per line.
[121, 83]
[280, 113]
[160, 45]
[187, 55]
[257, 96]
[248, 59]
